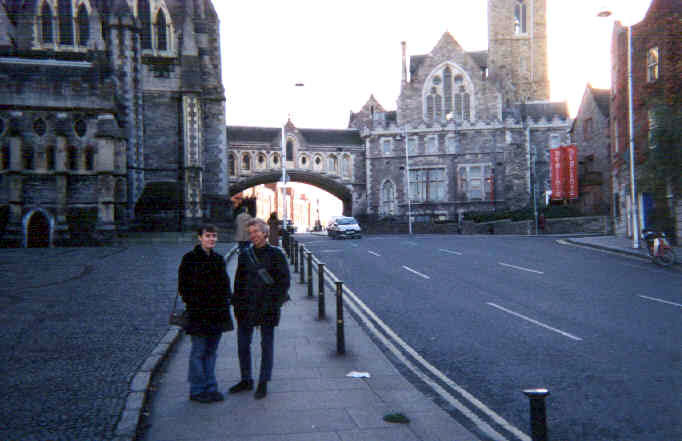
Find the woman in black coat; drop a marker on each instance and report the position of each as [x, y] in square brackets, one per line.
[204, 286]
[257, 302]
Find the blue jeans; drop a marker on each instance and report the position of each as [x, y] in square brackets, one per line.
[202, 359]
[267, 340]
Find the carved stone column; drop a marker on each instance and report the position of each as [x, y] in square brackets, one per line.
[193, 147]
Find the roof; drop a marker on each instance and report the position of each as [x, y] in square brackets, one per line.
[603, 98]
[312, 136]
[480, 57]
[537, 110]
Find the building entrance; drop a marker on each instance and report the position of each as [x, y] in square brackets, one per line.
[38, 231]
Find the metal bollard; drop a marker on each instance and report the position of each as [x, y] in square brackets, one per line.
[309, 255]
[302, 265]
[340, 338]
[538, 414]
[295, 256]
[321, 315]
[291, 249]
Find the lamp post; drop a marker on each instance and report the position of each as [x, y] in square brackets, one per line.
[284, 169]
[631, 135]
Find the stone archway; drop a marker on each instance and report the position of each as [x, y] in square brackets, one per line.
[334, 187]
[38, 231]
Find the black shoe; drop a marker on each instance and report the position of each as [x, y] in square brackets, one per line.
[262, 391]
[216, 396]
[242, 386]
[203, 397]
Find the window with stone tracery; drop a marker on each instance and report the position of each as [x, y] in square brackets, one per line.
[156, 27]
[63, 24]
[520, 14]
[449, 96]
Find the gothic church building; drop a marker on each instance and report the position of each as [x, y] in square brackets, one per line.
[112, 115]
[477, 126]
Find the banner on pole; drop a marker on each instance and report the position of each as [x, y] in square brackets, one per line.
[564, 172]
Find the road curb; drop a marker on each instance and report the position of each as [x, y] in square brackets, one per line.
[126, 428]
[632, 253]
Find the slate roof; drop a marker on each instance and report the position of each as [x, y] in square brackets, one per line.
[602, 97]
[537, 110]
[237, 134]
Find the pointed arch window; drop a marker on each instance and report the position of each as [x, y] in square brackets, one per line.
[429, 107]
[290, 150]
[65, 23]
[83, 21]
[46, 19]
[161, 31]
[72, 158]
[246, 162]
[447, 89]
[333, 164]
[345, 166]
[520, 14]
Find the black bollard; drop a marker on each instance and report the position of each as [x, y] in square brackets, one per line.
[321, 314]
[302, 265]
[295, 256]
[309, 255]
[538, 413]
[340, 338]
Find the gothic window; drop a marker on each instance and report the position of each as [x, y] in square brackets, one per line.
[72, 158]
[83, 25]
[89, 159]
[439, 107]
[520, 14]
[161, 31]
[39, 126]
[50, 157]
[427, 184]
[429, 107]
[466, 111]
[447, 89]
[246, 162]
[345, 166]
[146, 23]
[652, 65]
[333, 164]
[261, 160]
[231, 166]
[318, 162]
[275, 159]
[388, 198]
[27, 157]
[46, 24]
[290, 150]
[458, 107]
[65, 23]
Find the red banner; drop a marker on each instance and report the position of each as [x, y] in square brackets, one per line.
[564, 172]
[557, 173]
[571, 153]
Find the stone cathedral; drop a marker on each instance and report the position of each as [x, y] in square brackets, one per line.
[477, 126]
[112, 116]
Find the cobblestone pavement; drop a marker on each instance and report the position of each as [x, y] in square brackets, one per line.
[76, 324]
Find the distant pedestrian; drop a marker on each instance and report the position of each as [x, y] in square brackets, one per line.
[204, 286]
[273, 236]
[243, 211]
[260, 289]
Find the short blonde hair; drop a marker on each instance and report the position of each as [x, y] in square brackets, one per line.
[260, 223]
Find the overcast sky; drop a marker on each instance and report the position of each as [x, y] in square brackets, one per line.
[345, 51]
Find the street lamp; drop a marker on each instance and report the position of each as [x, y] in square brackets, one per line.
[407, 180]
[631, 124]
[284, 168]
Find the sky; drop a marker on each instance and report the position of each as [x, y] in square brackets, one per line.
[343, 52]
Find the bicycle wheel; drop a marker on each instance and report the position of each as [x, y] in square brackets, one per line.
[666, 257]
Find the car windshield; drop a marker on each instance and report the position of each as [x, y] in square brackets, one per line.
[346, 221]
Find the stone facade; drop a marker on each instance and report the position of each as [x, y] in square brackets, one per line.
[106, 107]
[656, 77]
[476, 126]
[590, 133]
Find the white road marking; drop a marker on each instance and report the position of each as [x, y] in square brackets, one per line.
[354, 245]
[416, 272]
[521, 268]
[330, 251]
[414, 244]
[450, 252]
[535, 322]
[374, 254]
[661, 300]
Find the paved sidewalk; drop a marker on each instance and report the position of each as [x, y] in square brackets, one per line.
[622, 245]
[310, 397]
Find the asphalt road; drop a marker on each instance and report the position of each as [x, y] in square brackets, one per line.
[501, 314]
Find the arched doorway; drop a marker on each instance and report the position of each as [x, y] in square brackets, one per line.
[38, 231]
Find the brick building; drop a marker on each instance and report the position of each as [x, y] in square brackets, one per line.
[590, 132]
[657, 78]
[112, 114]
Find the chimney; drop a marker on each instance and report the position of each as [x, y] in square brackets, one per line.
[404, 44]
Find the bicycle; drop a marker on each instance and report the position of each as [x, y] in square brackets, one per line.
[658, 247]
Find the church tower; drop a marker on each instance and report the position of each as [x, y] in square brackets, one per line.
[517, 49]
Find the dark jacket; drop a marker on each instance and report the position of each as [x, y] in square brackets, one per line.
[255, 302]
[204, 286]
